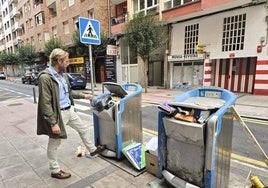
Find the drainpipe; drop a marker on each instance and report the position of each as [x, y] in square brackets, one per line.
[109, 18]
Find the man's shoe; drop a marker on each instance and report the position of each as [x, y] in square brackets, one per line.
[99, 149]
[61, 175]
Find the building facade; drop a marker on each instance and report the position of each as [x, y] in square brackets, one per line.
[220, 43]
[35, 22]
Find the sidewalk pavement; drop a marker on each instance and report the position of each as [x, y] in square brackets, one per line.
[23, 161]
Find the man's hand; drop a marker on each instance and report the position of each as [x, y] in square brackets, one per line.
[56, 129]
[88, 96]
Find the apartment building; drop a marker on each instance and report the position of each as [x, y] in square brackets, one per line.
[37, 21]
[219, 43]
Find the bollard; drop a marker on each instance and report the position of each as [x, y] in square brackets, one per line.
[34, 96]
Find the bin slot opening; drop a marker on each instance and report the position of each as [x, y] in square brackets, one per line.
[203, 103]
[187, 114]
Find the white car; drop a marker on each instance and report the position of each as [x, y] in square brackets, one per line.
[2, 75]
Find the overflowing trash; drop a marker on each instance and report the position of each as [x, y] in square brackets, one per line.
[192, 115]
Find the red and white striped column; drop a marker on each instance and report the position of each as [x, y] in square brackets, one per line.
[261, 78]
[207, 73]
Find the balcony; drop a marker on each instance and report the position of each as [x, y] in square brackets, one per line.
[16, 26]
[50, 2]
[17, 41]
[119, 19]
[38, 8]
[118, 1]
[14, 12]
[12, 1]
[2, 36]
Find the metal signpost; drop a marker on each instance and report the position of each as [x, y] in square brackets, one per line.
[89, 32]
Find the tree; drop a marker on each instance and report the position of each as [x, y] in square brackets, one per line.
[27, 54]
[52, 44]
[144, 34]
[83, 49]
[9, 59]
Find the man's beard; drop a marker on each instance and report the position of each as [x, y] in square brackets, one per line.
[63, 69]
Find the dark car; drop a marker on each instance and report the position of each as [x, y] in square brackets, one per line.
[30, 78]
[77, 80]
[2, 75]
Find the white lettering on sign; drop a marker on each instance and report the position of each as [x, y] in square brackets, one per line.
[184, 57]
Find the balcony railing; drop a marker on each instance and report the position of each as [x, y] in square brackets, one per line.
[16, 26]
[119, 19]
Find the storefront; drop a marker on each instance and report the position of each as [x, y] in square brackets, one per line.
[76, 65]
[186, 70]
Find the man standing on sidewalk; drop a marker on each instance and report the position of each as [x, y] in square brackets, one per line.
[56, 110]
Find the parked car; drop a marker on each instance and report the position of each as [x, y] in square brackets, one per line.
[2, 75]
[30, 78]
[77, 80]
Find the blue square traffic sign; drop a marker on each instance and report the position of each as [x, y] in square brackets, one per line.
[89, 31]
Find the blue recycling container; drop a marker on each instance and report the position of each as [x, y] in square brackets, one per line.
[121, 123]
[197, 152]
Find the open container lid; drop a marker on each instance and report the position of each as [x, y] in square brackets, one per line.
[115, 89]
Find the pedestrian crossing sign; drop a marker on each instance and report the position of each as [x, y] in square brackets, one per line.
[89, 31]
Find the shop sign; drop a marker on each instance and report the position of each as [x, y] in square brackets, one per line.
[112, 50]
[77, 60]
[184, 57]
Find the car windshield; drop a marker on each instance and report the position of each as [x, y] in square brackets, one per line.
[75, 74]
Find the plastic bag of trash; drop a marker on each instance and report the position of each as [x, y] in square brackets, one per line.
[101, 102]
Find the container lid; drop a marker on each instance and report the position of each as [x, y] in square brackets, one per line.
[115, 89]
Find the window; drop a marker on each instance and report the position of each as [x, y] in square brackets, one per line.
[191, 38]
[39, 36]
[47, 37]
[39, 19]
[54, 31]
[145, 6]
[63, 4]
[91, 14]
[233, 33]
[76, 22]
[71, 2]
[173, 3]
[32, 40]
[66, 27]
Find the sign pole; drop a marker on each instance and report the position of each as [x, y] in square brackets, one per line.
[91, 69]
[89, 32]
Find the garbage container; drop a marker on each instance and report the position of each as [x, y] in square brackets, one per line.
[197, 153]
[120, 123]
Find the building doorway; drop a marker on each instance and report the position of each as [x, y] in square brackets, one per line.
[235, 74]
